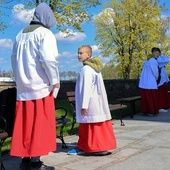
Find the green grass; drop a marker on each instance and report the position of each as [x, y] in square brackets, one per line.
[65, 104]
[60, 112]
[6, 146]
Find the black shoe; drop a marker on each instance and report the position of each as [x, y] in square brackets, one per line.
[103, 153]
[25, 163]
[40, 166]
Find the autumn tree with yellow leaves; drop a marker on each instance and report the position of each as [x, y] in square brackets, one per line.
[127, 30]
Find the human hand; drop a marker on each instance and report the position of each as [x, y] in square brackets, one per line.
[54, 86]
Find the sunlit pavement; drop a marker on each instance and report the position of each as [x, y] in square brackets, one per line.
[142, 144]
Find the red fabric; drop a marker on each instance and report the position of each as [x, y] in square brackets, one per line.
[34, 131]
[163, 97]
[96, 137]
[149, 101]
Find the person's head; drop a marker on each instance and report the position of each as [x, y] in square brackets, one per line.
[44, 15]
[156, 52]
[84, 53]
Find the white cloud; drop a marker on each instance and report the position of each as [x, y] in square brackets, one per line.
[95, 49]
[22, 14]
[69, 36]
[68, 62]
[6, 43]
[67, 57]
[66, 54]
[106, 15]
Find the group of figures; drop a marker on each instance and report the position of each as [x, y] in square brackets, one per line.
[153, 84]
[35, 67]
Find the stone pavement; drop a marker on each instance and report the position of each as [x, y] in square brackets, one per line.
[142, 144]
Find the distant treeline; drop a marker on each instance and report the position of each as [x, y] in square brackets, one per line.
[69, 75]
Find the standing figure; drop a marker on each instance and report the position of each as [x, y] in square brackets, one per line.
[148, 84]
[35, 67]
[96, 135]
[162, 86]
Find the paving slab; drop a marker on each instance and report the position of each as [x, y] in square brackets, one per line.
[142, 144]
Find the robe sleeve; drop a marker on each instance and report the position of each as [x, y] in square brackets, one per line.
[86, 89]
[49, 53]
[154, 67]
[163, 60]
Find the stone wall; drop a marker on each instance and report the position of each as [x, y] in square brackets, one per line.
[5, 85]
[114, 88]
[121, 88]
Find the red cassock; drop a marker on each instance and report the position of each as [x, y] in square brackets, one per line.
[34, 131]
[163, 97]
[149, 101]
[96, 137]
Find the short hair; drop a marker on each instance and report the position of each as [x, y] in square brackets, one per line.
[155, 49]
[88, 47]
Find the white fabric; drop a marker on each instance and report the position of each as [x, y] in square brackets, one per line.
[34, 62]
[164, 77]
[149, 74]
[91, 95]
[162, 62]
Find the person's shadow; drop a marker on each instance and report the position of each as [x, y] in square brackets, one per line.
[65, 150]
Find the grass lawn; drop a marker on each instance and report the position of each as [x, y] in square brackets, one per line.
[65, 104]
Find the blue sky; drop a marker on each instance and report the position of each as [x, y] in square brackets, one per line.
[67, 47]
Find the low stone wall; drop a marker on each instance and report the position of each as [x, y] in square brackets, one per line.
[6, 85]
[114, 88]
[121, 88]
